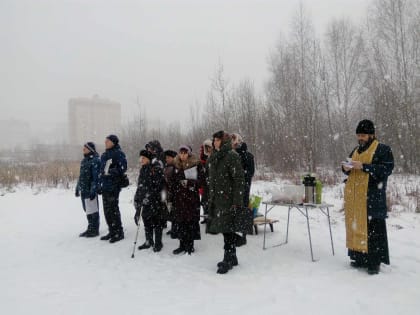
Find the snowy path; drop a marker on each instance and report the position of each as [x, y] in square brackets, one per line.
[45, 268]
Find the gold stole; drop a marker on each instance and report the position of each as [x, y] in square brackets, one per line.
[355, 202]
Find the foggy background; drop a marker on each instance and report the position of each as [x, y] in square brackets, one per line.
[161, 54]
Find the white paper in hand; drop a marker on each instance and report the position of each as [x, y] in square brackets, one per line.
[91, 206]
[191, 173]
[107, 165]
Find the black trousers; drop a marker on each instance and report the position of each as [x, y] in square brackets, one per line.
[378, 251]
[229, 239]
[153, 224]
[112, 212]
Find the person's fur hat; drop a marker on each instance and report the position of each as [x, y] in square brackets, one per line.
[365, 127]
[114, 139]
[146, 154]
[170, 153]
[186, 148]
[236, 138]
[90, 146]
[207, 143]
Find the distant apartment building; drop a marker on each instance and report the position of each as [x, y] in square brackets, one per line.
[92, 119]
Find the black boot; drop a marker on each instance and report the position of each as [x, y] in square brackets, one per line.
[117, 237]
[92, 233]
[229, 258]
[180, 249]
[158, 240]
[373, 269]
[190, 247]
[145, 245]
[83, 234]
[240, 240]
[106, 237]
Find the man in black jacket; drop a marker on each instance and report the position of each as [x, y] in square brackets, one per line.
[247, 161]
[113, 167]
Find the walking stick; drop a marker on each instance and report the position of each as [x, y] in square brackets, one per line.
[137, 233]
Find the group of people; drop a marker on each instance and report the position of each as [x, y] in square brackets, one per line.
[174, 185]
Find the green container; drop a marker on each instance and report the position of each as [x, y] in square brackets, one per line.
[318, 191]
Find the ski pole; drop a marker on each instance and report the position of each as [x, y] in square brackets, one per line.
[137, 233]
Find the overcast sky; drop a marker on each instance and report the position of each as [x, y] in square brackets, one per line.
[164, 52]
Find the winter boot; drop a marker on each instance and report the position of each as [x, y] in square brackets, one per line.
[180, 249]
[145, 245]
[240, 240]
[106, 237]
[158, 240]
[230, 258]
[223, 267]
[117, 237]
[373, 269]
[190, 247]
[83, 234]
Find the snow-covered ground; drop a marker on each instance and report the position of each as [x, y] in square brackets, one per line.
[45, 268]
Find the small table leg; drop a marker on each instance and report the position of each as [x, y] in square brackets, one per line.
[309, 233]
[265, 225]
[329, 225]
[287, 227]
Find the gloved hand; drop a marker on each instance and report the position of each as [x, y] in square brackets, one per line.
[137, 217]
[92, 196]
[77, 193]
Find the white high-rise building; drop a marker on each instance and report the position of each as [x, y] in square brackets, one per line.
[92, 119]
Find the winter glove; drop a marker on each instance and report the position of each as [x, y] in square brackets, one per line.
[77, 193]
[92, 196]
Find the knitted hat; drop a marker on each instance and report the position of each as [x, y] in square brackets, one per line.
[185, 148]
[90, 146]
[114, 139]
[170, 153]
[365, 127]
[146, 154]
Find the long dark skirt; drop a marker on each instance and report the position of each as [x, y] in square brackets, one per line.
[186, 230]
[378, 251]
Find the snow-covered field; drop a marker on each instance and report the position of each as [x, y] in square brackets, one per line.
[45, 268]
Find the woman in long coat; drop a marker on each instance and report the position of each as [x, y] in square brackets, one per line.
[226, 189]
[186, 180]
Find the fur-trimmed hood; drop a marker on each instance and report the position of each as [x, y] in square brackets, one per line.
[191, 162]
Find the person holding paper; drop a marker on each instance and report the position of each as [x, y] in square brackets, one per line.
[186, 180]
[86, 188]
[365, 200]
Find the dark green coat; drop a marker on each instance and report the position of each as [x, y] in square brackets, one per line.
[226, 189]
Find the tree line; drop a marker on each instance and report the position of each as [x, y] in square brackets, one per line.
[317, 91]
